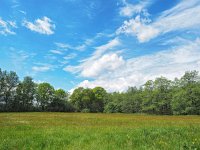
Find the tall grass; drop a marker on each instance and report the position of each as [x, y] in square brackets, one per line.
[98, 131]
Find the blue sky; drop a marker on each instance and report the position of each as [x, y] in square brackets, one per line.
[108, 43]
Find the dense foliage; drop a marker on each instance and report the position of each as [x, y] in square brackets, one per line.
[161, 96]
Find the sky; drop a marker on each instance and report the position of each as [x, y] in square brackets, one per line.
[110, 43]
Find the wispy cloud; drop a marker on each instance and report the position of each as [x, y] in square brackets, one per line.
[106, 63]
[56, 52]
[136, 71]
[23, 12]
[129, 10]
[103, 48]
[6, 27]
[19, 58]
[62, 45]
[86, 43]
[42, 26]
[70, 56]
[83, 46]
[40, 68]
[98, 62]
[137, 27]
[15, 3]
[180, 17]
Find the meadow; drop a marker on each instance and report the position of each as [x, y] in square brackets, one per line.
[88, 131]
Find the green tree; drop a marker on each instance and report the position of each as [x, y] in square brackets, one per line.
[132, 101]
[25, 94]
[157, 96]
[60, 101]
[186, 98]
[8, 84]
[89, 100]
[148, 105]
[114, 102]
[76, 99]
[162, 95]
[100, 98]
[45, 95]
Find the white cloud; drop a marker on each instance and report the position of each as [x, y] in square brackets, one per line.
[109, 46]
[86, 43]
[56, 52]
[12, 24]
[40, 68]
[72, 69]
[183, 16]
[130, 9]
[70, 56]
[39, 81]
[43, 67]
[68, 46]
[62, 45]
[137, 27]
[106, 63]
[19, 58]
[99, 61]
[136, 71]
[6, 27]
[23, 12]
[42, 26]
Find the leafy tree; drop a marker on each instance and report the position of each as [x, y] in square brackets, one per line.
[148, 105]
[76, 98]
[89, 100]
[100, 98]
[45, 95]
[114, 103]
[189, 78]
[186, 98]
[25, 94]
[60, 101]
[110, 107]
[157, 96]
[8, 84]
[132, 101]
[162, 96]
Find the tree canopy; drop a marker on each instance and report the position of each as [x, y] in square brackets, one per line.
[160, 96]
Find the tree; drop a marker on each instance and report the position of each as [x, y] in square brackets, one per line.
[148, 105]
[25, 94]
[132, 101]
[100, 98]
[8, 84]
[89, 100]
[60, 102]
[189, 78]
[157, 96]
[45, 95]
[82, 99]
[162, 96]
[186, 98]
[114, 102]
[76, 99]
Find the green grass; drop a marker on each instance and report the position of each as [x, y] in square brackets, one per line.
[98, 131]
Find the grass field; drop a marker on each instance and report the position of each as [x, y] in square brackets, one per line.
[98, 131]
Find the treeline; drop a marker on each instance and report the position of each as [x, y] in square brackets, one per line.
[161, 96]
